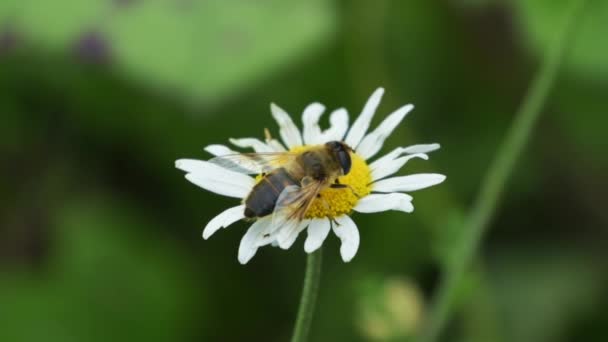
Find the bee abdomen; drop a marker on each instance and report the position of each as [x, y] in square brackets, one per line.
[262, 199]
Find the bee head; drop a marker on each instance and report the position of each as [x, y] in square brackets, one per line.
[341, 152]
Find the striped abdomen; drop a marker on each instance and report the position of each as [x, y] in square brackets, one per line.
[263, 197]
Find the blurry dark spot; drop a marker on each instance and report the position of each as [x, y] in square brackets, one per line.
[25, 223]
[25, 239]
[185, 5]
[429, 279]
[92, 47]
[124, 3]
[493, 32]
[8, 41]
[266, 235]
[236, 41]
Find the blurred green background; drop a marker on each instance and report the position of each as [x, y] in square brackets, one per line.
[100, 236]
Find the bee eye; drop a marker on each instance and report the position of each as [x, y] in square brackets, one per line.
[334, 145]
[344, 160]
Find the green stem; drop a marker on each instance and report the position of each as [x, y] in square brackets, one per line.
[309, 296]
[494, 182]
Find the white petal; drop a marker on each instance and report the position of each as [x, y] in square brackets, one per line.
[254, 143]
[219, 150]
[386, 167]
[275, 145]
[338, 121]
[317, 232]
[287, 129]
[382, 202]
[252, 239]
[215, 178]
[310, 120]
[223, 220]
[360, 126]
[347, 232]
[372, 143]
[268, 237]
[287, 235]
[408, 183]
[422, 148]
[219, 187]
[394, 154]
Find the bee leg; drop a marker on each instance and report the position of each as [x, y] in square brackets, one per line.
[325, 204]
[338, 185]
[306, 181]
[327, 207]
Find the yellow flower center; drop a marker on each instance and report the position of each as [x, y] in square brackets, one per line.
[334, 202]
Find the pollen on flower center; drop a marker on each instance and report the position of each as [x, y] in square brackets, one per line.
[336, 202]
[333, 202]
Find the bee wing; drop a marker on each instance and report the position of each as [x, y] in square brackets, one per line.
[289, 211]
[253, 163]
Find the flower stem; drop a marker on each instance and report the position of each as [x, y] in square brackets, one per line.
[496, 177]
[309, 296]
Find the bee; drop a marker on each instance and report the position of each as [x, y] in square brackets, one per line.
[291, 181]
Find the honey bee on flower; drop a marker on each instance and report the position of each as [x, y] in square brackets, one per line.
[313, 181]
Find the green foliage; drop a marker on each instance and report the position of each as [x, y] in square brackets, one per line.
[100, 235]
[579, 100]
[205, 49]
[56, 24]
[542, 293]
[588, 56]
[101, 282]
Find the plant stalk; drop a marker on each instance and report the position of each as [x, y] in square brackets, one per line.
[496, 177]
[309, 296]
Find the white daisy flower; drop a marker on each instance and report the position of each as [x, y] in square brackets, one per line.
[371, 186]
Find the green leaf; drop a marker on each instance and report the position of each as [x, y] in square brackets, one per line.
[56, 24]
[205, 49]
[588, 56]
[101, 282]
